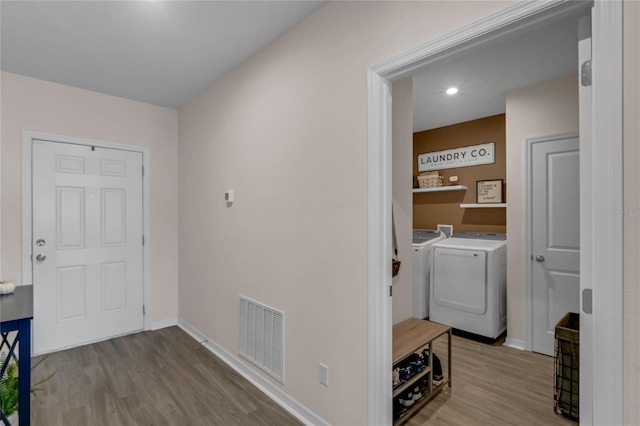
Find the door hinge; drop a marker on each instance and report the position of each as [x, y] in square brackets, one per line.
[142, 171]
[144, 311]
[585, 73]
[143, 240]
[390, 291]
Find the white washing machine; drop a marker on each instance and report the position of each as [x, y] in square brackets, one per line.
[423, 240]
[469, 283]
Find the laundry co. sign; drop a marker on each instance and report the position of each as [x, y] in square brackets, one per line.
[457, 157]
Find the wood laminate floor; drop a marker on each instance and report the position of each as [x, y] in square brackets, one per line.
[165, 377]
[161, 377]
[493, 385]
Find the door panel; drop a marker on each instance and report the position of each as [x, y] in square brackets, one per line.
[69, 164]
[555, 236]
[113, 217]
[114, 286]
[564, 202]
[562, 287]
[113, 168]
[71, 293]
[87, 207]
[70, 214]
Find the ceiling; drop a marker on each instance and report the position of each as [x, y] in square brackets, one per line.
[159, 52]
[484, 76]
[167, 52]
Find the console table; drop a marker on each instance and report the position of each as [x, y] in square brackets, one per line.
[16, 313]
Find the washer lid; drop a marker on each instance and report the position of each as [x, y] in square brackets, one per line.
[470, 244]
[421, 236]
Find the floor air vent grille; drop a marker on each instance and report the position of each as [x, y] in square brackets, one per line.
[261, 339]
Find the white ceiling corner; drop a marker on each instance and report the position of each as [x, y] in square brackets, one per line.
[159, 52]
[167, 52]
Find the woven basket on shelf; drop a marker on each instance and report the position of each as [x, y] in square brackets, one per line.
[429, 181]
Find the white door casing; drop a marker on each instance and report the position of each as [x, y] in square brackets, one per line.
[607, 147]
[87, 236]
[555, 234]
[586, 231]
[606, 210]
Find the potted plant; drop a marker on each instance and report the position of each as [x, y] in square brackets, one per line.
[9, 390]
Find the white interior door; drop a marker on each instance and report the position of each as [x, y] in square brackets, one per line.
[555, 168]
[87, 244]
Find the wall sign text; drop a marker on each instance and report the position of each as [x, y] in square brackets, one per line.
[457, 157]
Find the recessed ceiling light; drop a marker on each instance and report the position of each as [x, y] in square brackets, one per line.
[452, 90]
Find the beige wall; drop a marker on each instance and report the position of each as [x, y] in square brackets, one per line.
[39, 106]
[287, 131]
[402, 127]
[543, 109]
[631, 203]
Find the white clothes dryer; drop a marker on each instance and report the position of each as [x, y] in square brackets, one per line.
[469, 283]
[423, 240]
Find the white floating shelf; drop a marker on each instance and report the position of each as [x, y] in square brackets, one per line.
[484, 206]
[441, 188]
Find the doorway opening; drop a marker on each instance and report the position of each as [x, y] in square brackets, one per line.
[380, 77]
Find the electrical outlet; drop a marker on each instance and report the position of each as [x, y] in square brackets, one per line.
[324, 375]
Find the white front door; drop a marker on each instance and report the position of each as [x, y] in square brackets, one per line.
[87, 244]
[555, 166]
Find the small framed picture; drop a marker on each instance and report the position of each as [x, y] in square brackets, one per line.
[489, 191]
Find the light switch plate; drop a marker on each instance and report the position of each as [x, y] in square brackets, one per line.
[324, 375]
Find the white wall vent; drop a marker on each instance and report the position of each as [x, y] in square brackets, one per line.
[261, 338]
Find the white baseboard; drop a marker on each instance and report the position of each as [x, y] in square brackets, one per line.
[514, 343]
[169, 322]
[199, 337]
[296, 409]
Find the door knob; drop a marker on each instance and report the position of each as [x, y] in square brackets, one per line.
[41, 257]
[540, 258]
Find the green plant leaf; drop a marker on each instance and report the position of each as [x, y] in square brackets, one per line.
[9, 385]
